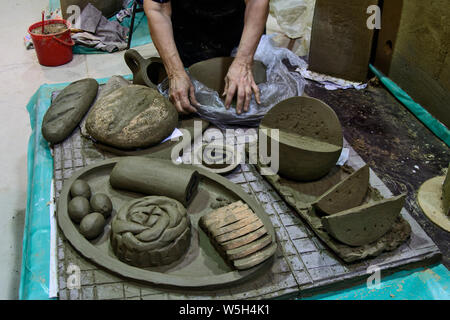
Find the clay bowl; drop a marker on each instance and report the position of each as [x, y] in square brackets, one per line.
[310, 137]
[212, 72]
[147, 72]
[201, 267]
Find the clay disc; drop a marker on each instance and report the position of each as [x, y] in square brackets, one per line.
[430, 200]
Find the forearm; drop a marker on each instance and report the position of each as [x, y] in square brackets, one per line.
[160, 25]
[255, 21]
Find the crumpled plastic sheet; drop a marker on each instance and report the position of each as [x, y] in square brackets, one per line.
[281, 84]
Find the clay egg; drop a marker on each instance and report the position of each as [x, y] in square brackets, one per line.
[78, 208]
[80, 189]
[92, 225]
[101, 203]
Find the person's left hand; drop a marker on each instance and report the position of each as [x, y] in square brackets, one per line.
[240, 80]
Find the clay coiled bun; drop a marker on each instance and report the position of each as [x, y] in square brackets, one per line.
[151, 231]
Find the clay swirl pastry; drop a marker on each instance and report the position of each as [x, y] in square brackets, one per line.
[151, 231]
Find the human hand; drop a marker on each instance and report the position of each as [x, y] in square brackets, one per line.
[240, 80]
[182, 93]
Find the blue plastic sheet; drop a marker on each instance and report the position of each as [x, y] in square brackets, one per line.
[440, 130]
[420, 284]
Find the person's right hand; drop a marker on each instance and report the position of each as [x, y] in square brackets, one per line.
[182, 93]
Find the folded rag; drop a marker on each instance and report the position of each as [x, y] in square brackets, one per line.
[99, 32]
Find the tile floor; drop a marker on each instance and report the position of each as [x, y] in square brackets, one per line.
[22, 76]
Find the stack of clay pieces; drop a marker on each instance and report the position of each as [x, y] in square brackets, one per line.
[350, 221]
[239, 235]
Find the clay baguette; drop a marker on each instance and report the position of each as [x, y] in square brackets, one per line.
[68, 109]
[155, 177]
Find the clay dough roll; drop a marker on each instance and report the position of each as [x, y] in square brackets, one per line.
[155, 177]
[151, 231]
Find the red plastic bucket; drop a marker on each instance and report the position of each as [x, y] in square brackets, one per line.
[52, 49]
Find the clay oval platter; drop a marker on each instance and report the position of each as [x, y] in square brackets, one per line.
[200, 268]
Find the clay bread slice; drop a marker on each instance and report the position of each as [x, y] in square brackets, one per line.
[365, 224]
[347, 194]
[239, 235]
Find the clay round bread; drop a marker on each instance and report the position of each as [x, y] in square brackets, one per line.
[132, 117]
[151, 231]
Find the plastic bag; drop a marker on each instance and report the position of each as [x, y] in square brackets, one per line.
[281, 84]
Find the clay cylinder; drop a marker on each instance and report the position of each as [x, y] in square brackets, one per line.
[155, 177]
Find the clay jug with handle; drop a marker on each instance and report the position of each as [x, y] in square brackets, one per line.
[148, 72]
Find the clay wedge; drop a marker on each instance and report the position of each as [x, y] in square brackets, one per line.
[347, 194]
[309, 136]
[365, 224]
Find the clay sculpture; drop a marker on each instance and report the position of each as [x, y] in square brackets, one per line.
[239, 235]
[365, 224]
[80, 189]
[434, 199]
[147, 72]
[310, 137]
[212, 72]
[102, 204]
[78, 208]
[347, 194]
[218, 157]
[68, 109]
[155, 177]
[132, 117]
[92, 225]
[151, 231]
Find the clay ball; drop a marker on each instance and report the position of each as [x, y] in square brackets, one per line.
[101, 203]
[80, 189]
[92, 225]
[79, 207]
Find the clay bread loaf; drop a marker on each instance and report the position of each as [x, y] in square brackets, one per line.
[68, 109]
[132, 117]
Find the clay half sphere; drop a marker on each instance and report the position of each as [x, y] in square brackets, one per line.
[212, 72]
[68, 109]
[151, 231]
[310, 137]
[132, 117]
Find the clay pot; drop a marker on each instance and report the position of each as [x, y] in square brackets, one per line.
[147, 72]
[212, 72]
[310, 137]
